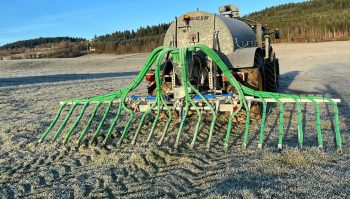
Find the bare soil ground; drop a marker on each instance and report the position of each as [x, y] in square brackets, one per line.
[31, 89]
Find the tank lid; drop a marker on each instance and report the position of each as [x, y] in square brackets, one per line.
[230, 11]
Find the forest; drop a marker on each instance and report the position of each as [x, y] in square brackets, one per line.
[310, 21]
[44, 47]
[39, 42]
[144, 39]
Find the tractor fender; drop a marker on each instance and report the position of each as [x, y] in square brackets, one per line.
[244, 57]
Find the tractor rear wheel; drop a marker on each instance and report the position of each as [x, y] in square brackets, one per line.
[272, 74]
[255, 75]
[255, 80]
[277, 67]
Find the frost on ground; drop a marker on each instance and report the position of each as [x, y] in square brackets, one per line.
[31, 89]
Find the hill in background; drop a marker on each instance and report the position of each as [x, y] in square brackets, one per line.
[144, 39]
[47, 47]
[310, 21]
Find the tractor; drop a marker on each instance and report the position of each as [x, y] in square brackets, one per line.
[210, 64]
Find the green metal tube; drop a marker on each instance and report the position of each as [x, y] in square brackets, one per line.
[59, 131]
[228, 132]
[141, 122]
[114, 122]
[246, 130]
[160, 98]
[183, 54]
[263, 121]
[232, 81]
[155, 121]
[336, 123]
[127, 126]
[187, 104]
[281, 107]
[280, 134]
[84, 132]
[131, 86]
[102, 121]
[188, 98]
[163, 101]
[183, 119]
[318, 123]
[199, 115]
[42, 138]
[150, 60]
[159, 58]
[70, 131]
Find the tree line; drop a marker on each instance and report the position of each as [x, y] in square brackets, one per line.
[39, 42]
[44, 47]
[144, 39]
[311, 21]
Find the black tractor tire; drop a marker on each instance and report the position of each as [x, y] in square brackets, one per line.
[256, 81]
[277, 66]
[255, 75]
[271, 74]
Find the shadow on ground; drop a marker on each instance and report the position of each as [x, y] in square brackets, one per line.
[329, 91]
[17, 81]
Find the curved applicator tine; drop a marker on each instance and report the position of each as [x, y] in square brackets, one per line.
[228, 132]
[180, 131]
[102, 121]
[111, 128]
[141, 122]
[199, 113]
[70, 131]
[246, 131]
[300, 123]
[58, 133]
[167, 124]
[262, 125]
[127, 126]
[155, 121]
[160, 97]
[318, 122]
[336, 124]
[49, 129]
[84, 132]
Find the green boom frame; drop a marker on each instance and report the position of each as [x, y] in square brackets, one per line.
[182, 55]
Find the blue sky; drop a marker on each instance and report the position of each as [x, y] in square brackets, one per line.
[27, 19]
